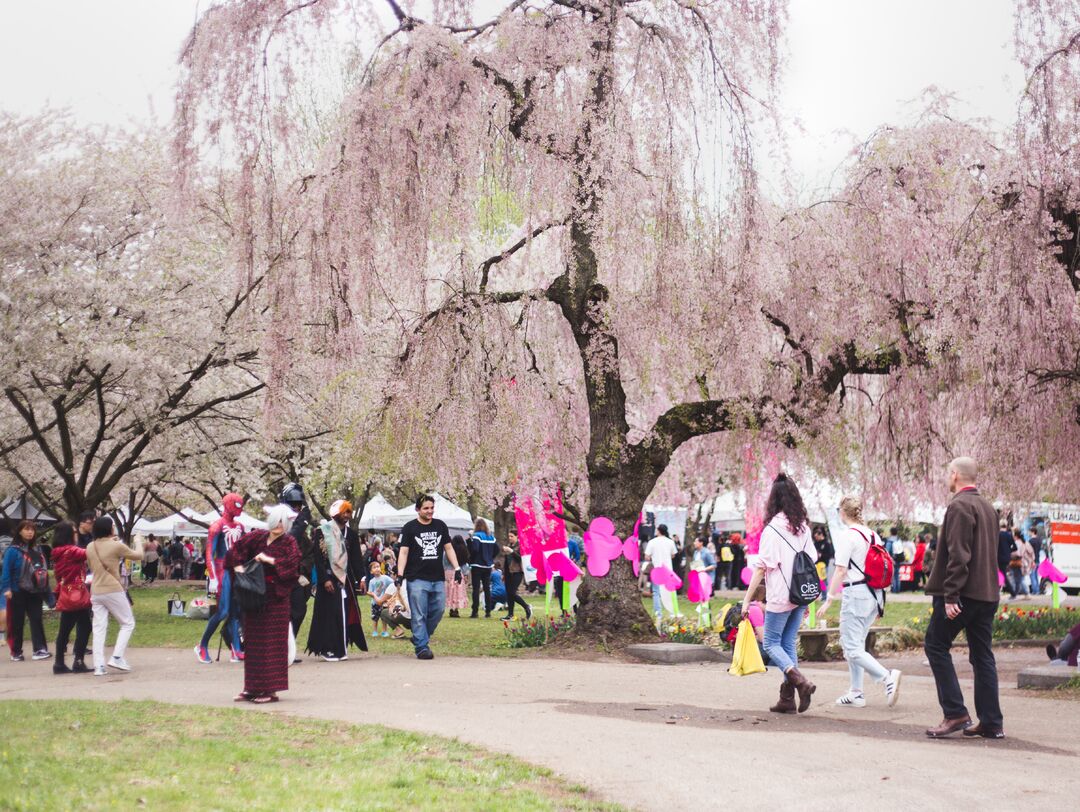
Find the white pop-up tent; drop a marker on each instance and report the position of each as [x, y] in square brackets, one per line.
[181, 524]
[248, 522]
[458, 520]
[178, 524]
[374, 507]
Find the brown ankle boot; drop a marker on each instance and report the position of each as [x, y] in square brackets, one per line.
[804, 686]
[786, 704]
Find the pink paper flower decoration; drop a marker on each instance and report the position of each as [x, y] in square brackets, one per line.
[602, 547]
[539, 563]
[698, 586]
[662, 576]
[562, 565]
[1048, 570]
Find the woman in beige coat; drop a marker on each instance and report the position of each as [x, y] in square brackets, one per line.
[107, 595]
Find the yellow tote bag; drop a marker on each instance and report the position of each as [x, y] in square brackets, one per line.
[747, 658]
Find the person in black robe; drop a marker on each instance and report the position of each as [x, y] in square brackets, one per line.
[335, 620]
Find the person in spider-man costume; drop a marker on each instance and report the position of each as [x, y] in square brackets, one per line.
[222, 535]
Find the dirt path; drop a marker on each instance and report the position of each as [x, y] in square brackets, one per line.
[651, 737]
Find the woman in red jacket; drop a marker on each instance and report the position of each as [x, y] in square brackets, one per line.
[69, 566]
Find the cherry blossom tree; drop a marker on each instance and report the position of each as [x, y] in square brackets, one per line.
[131, 359]
[516, 237]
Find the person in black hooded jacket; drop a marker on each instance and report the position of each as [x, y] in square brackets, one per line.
[293, 496]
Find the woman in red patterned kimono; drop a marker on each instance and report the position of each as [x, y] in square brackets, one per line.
[266, 632]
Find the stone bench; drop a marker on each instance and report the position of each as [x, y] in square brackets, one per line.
[1046, 676]
[677, 653]
[814, 641]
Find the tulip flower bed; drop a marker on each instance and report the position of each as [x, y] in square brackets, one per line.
[535, 632]
[1014, 623]
[681, 633]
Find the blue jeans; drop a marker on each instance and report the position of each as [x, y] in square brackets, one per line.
[657, 606]
[781, 637]
[427, 600]
[224, 613]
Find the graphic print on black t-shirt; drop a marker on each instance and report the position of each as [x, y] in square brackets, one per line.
[425, 543]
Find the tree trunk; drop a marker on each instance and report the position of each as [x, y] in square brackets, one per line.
[610, 609]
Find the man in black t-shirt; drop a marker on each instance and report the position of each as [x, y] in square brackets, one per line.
[419, 562]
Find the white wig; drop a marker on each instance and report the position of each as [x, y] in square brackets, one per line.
[280, 514]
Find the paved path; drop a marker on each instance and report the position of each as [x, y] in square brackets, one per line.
[651, 736]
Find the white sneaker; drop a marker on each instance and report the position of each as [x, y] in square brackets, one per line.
[100, 671]
[41, 655]
[852, 700]
[892, 687]
[330, 658]
[119, 663]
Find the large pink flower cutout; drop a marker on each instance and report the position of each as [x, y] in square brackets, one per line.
[557, 563]
[698, 587]
[665, 577]
[1048, 570]
[602, 547]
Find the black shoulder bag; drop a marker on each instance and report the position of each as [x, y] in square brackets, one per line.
[249, 587]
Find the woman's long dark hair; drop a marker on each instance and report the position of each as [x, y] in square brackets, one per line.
[461, 549]
[63, 534]
[785, 498]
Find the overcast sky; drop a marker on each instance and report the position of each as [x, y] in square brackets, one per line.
[853, 64]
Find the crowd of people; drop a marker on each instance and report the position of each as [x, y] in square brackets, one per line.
[963, 583]
[91, 567]
[264, 581]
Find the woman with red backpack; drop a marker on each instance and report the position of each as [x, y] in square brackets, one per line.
[25, 584]
[863, 569]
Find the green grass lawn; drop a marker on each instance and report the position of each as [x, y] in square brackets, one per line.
[129, 755]
[455, 636]
[154, 627]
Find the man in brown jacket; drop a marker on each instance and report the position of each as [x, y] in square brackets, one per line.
[965, 590]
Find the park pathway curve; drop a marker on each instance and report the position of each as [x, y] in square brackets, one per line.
[651, 737]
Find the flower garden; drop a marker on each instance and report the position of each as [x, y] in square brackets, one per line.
[1015, 623]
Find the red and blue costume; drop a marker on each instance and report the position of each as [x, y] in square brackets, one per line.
[223, 533]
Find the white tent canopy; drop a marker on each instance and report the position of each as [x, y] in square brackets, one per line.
[181, 524]
[375, 506]
[458, 520]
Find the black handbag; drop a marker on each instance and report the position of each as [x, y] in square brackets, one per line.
[249, 587]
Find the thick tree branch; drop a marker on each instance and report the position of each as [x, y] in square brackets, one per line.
[490, 262]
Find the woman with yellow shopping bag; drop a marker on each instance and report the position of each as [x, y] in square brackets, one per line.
[749, 635]
[747, 656]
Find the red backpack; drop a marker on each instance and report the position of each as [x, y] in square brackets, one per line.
[878, 572]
